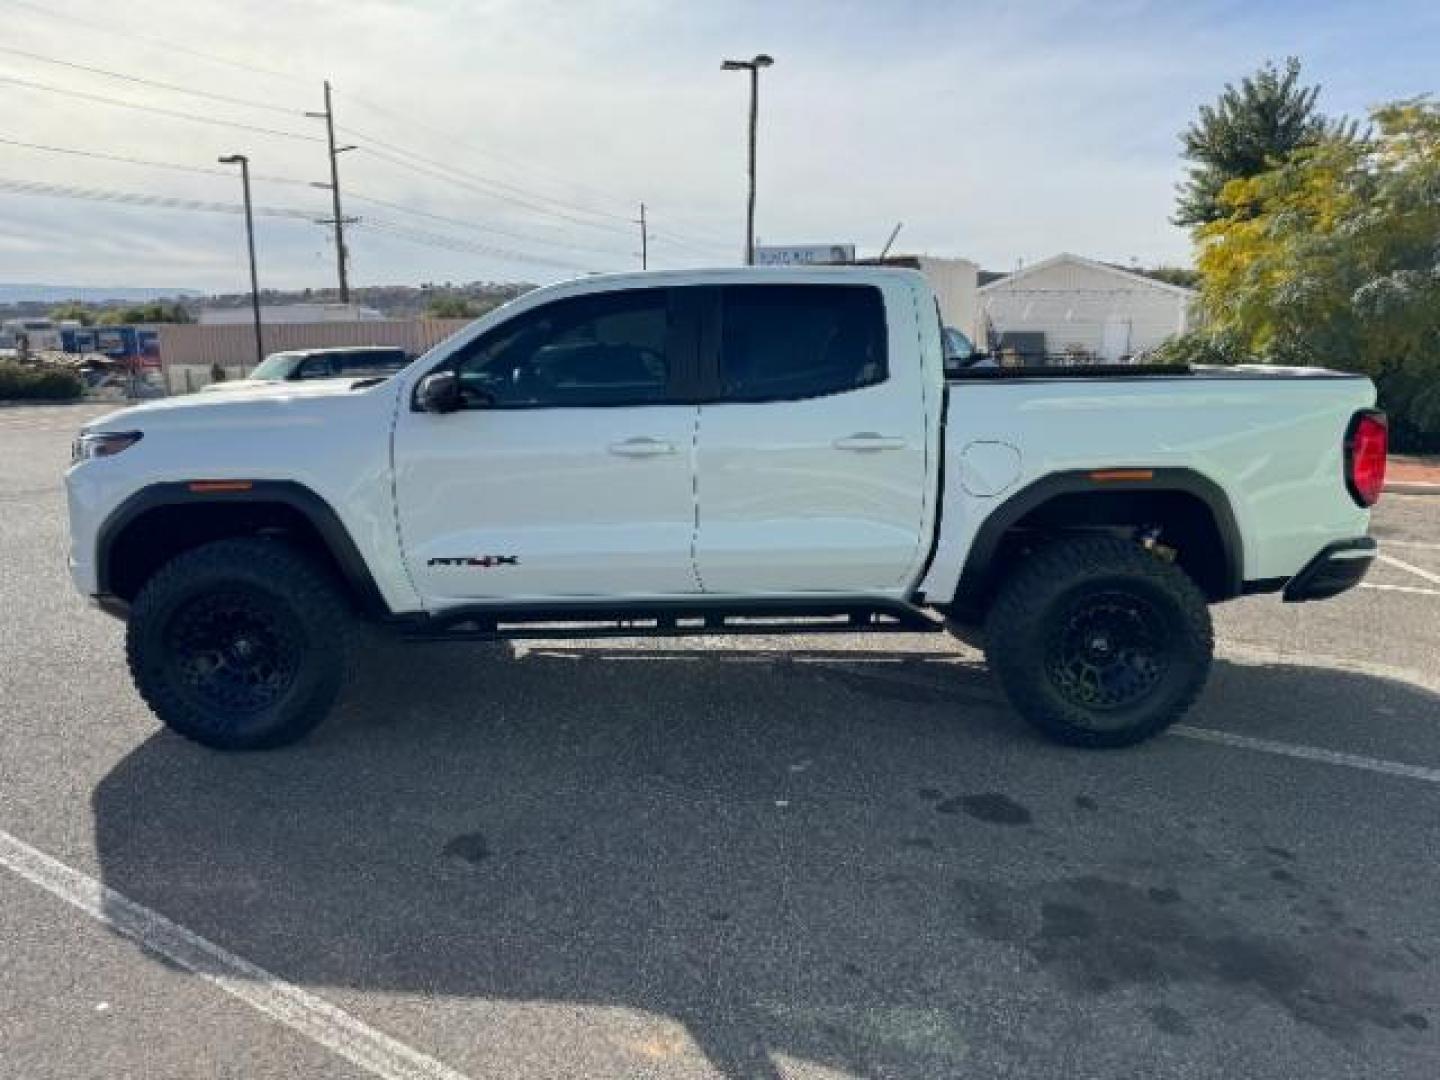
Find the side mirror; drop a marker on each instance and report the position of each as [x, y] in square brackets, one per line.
[439, 392]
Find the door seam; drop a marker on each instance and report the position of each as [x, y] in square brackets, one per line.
[695, 500]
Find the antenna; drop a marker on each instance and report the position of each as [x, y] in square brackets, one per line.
[893, 233]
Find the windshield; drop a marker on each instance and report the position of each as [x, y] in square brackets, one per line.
[277, 366]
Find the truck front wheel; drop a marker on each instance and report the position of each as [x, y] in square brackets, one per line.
[239, 644]
[1099, 643]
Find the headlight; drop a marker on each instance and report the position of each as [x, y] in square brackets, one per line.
[101, 444]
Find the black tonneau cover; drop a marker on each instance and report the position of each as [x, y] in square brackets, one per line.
[1143, 371]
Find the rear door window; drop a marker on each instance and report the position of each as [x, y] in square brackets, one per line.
[785, 342]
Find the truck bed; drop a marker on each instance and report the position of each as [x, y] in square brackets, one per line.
[1271, 438]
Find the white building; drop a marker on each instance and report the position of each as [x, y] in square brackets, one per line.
[271, 314]
[1075, 306]
[955, 283]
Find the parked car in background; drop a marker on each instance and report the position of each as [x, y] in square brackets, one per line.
[359, 362]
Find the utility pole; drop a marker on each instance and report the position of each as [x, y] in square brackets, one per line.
[644, 241]
[753, 66]
[244, 163]
[339, 220]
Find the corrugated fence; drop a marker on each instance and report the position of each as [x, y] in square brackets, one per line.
[188, 352]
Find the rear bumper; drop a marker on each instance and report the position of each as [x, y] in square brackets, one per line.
[1338, 566]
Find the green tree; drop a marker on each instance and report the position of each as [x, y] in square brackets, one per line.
[75, 311]
[450, 307]
[1174, 275]
[1249, 129]
[1333, 258]
[155, 312]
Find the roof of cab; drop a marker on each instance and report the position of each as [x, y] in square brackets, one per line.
[733, 275]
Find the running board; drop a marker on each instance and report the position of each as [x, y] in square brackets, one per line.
[669, 619]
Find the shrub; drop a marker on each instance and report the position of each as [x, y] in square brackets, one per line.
[20, 383]
[1198, 347]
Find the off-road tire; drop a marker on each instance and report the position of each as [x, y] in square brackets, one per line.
[188, 625]
[1148, 630]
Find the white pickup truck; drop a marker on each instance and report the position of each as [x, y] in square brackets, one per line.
[719, 452]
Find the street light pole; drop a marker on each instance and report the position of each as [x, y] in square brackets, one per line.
[753, 66]
[244, 163]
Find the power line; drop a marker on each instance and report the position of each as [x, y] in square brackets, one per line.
[294, 182]
[459, 181]
[707, 247]
[510, 192]
[103, 100]
[172, 87]
[477, 227]
[408, 159]
[529, 198]
[175, 166]
[704, 238]
[451, 243]
[125, 31]
[450, 141]
[167, 202]
[524, 197]
[135, 198]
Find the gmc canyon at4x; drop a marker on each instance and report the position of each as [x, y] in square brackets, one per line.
[720, 452]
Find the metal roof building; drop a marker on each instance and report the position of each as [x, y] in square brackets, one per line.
[1069, 305]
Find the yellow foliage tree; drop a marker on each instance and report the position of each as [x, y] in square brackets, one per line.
[1332, 258]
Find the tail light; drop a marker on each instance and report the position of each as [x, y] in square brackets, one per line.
[1366, 444]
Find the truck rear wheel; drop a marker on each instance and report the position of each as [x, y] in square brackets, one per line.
[1098, 643]
[239, 644]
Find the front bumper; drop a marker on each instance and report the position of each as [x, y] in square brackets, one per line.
[1339, 566]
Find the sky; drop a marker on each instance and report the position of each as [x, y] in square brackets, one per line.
[515, 139]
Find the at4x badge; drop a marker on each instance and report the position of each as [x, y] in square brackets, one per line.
[482, 561]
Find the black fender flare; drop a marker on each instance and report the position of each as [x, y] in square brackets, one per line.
[974, 581]
[319, 513]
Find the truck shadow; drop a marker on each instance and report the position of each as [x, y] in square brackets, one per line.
[760, 857]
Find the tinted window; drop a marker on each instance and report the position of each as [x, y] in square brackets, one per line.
[605, 349]
[368, 362]
[798, 341]
[314, 367]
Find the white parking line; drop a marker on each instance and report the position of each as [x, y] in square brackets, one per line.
[1427, 575]
[1308, 753]
[1419, 545]
[1416, 589]
[303, 1012]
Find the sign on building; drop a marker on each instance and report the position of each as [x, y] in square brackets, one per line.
[804, 254]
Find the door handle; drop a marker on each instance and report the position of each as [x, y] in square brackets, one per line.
[864, 441]
[642, 447]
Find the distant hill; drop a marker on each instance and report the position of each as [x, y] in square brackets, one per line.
[20, 293]
[394, 301]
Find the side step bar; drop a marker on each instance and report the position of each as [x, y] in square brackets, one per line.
[670, 619]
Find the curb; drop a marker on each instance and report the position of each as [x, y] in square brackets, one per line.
[1411, 487]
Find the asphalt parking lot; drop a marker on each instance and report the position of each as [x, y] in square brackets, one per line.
[621, 859]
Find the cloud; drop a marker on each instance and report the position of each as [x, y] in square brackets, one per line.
[994, 131]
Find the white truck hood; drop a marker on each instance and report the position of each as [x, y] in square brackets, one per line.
[264, 404]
